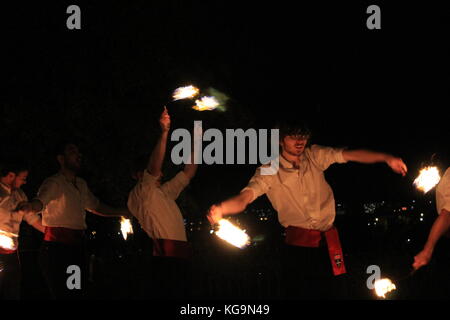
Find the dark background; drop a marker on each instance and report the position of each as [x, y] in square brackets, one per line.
[385, 89]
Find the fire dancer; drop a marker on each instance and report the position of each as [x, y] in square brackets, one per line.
[441, 226]
[63, 200]
[12, 212]
[306, 208]
[153, 204]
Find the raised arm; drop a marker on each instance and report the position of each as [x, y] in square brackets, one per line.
[157, 158]
[190, 168]
[367, 156]
[234, 205]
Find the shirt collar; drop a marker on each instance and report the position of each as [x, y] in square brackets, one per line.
[289, 165]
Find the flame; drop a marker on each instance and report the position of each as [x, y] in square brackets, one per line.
[185, 93]
[232, 234]
[125, 227]
[428, 178]
[7, 240]
[383, 286]
[206, 103]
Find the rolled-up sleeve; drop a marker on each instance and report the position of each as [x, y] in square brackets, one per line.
[48, 191]
[443, 193]
[259, 184]
[324, 157]
[174, 186]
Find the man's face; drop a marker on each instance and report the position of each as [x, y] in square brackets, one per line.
[20, 179]
[294, 145]
[72, 158]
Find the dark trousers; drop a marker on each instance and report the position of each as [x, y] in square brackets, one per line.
[164, 278]
[55, 259]
[9, 276]
[307, 274]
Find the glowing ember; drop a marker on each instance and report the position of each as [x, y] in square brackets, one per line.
[126, 227]
[383, 286]
[428, 178]
[7, 240]
[185, 93]
[206, 103]
[232, 234]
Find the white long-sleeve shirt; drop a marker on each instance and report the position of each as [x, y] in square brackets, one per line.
[155, 207]
[10, 219]
[302, 197]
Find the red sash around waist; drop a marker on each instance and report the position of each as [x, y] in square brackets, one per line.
[297, 236]
[6, 251]
[172, 248]
[64, 235]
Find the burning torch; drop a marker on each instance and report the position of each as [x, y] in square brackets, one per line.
[232, 234]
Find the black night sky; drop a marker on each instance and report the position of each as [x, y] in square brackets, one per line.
[385, 90]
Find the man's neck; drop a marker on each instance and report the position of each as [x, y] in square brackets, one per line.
[69, 174]
[295, 160]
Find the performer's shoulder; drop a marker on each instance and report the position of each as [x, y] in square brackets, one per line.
[53, 178]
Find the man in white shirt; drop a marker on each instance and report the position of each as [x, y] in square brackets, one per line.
[63, 200]
[12, 203]
[153, 204]
[305, 204]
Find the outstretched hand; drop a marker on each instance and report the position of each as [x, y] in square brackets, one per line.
[397, 165]
[421, 259]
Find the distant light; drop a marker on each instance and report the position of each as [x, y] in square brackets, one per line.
[409, 240]
[421, 214]
[421, 219]
[376, 219]
[211, 231]
[368, 224]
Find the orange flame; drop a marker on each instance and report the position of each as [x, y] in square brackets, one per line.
[125, 227]
[384, 286]
[428, 178]
[206, 103]
[185, 93]
[232, 234]
[7, 240]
